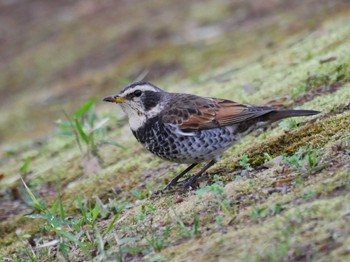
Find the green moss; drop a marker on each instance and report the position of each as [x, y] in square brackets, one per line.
[14, 233]
[292, 230]
[252, 63]
[314, 135]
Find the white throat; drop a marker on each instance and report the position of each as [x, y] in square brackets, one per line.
[138, 119]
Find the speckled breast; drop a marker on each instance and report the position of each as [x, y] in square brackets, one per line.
[163, 141]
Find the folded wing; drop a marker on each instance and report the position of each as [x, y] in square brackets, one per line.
[198, 113]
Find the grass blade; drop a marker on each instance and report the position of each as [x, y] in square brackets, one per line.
[72, 238]
[62, 213]
[34, 199]
[110, 142]
[82, 110]
[25, 166]
[54, 207]
[74, 131]
[111, 225]
[82, 209]
[81, 131]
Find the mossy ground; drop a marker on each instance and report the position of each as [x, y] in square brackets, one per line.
[289, 201]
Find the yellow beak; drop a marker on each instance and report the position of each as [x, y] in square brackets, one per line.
[114, 99]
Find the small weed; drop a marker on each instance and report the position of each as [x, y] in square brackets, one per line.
[338, 74]
[111, 224]
[65, 233]
[141, 217]
[89, 216]
[294, 161]
[259, 212]
[215, 188]
[139, 195]
[347, 139]
[24, 169]
[218, 190]
[312, 160]
[309, 195]
[278, 252]
[244, 162]
[158, 241]
[148, 208]
[316, 81]
[34, 202]
[262, 212]
[126, 246]
[85, 126]
[306, 160]
[289, 123]
[219, 221]
[268, 157]
[275, 208]
[184, 232]
[251, 183]
[196, 226]
[347, 144]
[298, 91]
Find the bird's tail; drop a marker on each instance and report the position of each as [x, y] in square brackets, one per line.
[278, 115]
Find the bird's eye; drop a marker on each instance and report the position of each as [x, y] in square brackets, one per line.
[137, 93]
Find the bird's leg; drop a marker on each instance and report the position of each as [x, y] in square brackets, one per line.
[174, 181]
[196, 176]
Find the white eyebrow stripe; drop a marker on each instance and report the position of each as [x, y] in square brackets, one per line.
[140, 87]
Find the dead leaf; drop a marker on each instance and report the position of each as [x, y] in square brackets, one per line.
[280, 102]
[282, 181]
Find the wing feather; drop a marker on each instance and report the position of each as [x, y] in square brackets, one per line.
[197, 113]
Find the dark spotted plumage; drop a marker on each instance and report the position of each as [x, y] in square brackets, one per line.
[190, 129]
[161, 140]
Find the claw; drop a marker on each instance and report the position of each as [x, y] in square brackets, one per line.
[191, 183]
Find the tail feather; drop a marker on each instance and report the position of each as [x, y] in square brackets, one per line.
[278, 115]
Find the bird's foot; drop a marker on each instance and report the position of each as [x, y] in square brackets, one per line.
[161, 192]
[191, 183]
[175, 181]
[166, 190]
[170, 188]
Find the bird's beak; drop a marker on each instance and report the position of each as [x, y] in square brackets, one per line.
[114, 99]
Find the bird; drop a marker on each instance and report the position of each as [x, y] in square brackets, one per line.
[190, 129]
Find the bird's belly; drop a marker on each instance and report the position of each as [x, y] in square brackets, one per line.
[203, 145]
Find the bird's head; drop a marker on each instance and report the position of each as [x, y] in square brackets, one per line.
[140, 101]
